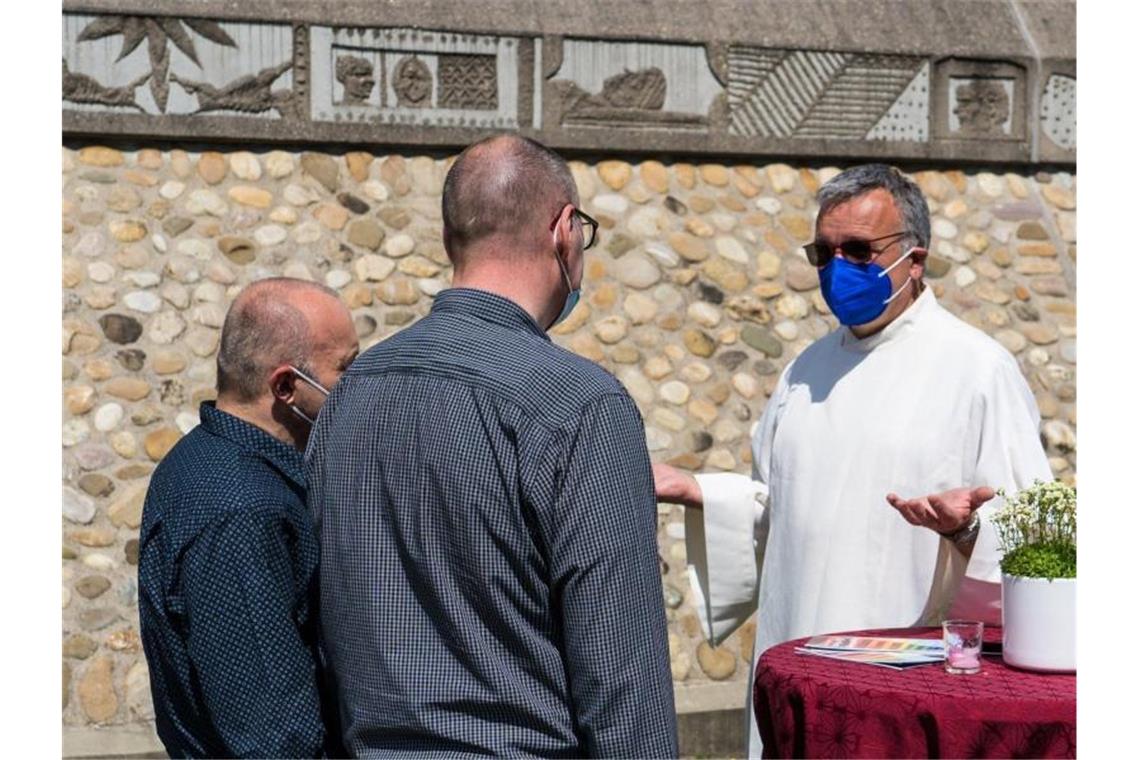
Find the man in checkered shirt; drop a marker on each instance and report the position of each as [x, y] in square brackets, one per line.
[484, 498]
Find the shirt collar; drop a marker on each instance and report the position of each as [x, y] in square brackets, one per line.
[487, 306]
[902, 326]
[281, 455]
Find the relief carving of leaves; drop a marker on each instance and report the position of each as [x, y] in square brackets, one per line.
[211, 30]
[101, 27]
[176, 34]
[159, 62]
[134, 32]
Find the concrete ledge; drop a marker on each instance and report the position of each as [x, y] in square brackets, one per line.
[120, 741]
[990, 81]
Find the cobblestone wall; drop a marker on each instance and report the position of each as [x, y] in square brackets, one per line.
[696, 298]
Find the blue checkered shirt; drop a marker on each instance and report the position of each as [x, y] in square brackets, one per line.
[227, 596]
[489, 572]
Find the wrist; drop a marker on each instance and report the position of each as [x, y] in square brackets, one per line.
[966, 533]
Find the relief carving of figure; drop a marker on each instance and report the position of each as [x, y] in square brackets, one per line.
[80, 88]
[412, 81]
[629, 98]
[982, 108]
[248, 94]
[356, 75]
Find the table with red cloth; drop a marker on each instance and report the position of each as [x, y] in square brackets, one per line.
[808, 706]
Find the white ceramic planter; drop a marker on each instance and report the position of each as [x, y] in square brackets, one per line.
[1039, 623]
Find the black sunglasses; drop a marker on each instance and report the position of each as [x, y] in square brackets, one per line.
[820, 253]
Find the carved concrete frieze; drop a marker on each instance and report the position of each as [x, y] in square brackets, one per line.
[117, 63]
[415, 77]
[428, 85]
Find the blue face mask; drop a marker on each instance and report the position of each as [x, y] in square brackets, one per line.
[858, 293]
[573, 293]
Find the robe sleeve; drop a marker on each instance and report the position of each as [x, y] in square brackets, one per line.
[1009, 455]
[725, 541]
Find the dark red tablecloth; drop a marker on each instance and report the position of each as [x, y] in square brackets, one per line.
[816, 707]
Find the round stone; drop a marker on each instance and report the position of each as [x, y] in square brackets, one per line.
[637, 384]
[91, 586]
[964, 277]
[108, 416]
[656, 439]
[373, 268]
[245, 166]
[786, 329]
[1040, 333]
[337, 278]
[792, 306]
[611, 329]
[762, 340]
[77, 507]
[279, 164]
[1037, 356]
[159, 442]
[1060, 197]
[639, 308]
[94, 484]
[658, 367]
[399, 245]
[731, 249]
[699, 343]
[721, 459]
[689, 247]
[79, 647]
[143, 301]
[611, 203]
[782, 177]
[616, 174]
[98, 155]
[1012, 340]
[745, 385]
[1059, 436]
[206, 202]
[668, 419]
[636, 271]
[675, 392]
[944, 228]
[75, 432]
[186, 421]
[718, 663]
[321, 168]
[397, 292]
[171, 189]
[655, 176]
[299, 195]
[696, 372]
[704, 314]
[270, 234]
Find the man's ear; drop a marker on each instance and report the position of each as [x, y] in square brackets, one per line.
[918, 259]
[283, 384]
[564, 232]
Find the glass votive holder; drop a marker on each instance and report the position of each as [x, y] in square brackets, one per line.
[963, 642]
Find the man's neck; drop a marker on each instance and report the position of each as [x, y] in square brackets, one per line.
[510, 281]
[261, 417]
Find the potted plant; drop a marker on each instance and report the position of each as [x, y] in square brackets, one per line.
[1038, 533]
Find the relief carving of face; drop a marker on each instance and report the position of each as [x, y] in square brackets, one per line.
[982, 108]
[356, 76]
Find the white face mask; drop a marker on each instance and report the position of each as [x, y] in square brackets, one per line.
[324, 391]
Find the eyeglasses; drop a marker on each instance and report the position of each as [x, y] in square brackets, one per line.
[589, 228]
[859, 251]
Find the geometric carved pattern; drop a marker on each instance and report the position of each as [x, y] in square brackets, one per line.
[468, 81]
[770, 92]
[810, 94]
[1059, 110]
[908, 119]
[858, 96]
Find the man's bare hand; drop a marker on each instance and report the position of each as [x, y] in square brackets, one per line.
[676, 487]
[943, 512]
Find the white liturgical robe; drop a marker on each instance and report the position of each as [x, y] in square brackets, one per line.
[927, 404]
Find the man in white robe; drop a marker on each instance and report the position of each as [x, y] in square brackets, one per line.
[913, 409]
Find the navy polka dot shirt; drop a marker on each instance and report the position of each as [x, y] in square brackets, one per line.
[227, 596]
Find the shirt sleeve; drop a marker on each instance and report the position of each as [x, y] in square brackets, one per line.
[601, 540]
[1009, 455]
[726, 539]
[257, 677]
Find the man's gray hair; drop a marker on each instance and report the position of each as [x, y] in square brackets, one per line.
[862, 179]
[262, 331]
[503, 185]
